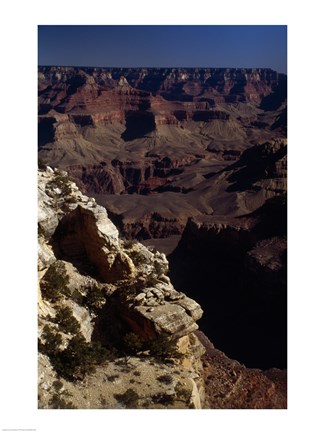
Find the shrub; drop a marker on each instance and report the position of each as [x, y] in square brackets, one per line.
[129, 398]
[164, 347]
[94, 299]
[61, 182]
[57, 385]
[79, 358]
[163, 398]
[55, 282]
[165, 379]
[57, 402]
[133, 343]
[53, 341]
[66, 321]
[183, 393]
[112, 378]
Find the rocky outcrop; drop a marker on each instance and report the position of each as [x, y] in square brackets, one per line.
[101, 299]
[93, 107]
[202, 86]
[242, 266]
[230, 384]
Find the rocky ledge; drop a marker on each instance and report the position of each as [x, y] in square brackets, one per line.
[113, 331]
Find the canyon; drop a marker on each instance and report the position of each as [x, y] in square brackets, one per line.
[147, 142]
[192, 163]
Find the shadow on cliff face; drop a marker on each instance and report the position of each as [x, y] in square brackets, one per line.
[239, 277]
[138, 124]
[275, 99]
[45, 131]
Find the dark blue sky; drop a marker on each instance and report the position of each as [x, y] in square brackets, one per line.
[158, 46]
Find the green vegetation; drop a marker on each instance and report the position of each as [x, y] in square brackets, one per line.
[163, 348]
[57, 402]
[129, 399]
[112, 378]
[183, 393]
[94, 298]
[165, 379]
[57, 385]
[163, 399]
[77, 359]
[132, 343]
[66, 321]
[52, 344]
[55, 282]
[61, 182]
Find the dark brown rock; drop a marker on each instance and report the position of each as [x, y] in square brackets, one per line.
[229, 384]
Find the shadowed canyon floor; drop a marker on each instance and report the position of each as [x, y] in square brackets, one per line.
[192, 162]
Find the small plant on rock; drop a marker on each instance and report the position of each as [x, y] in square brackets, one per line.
[163, 348]
[129, 398]
[55, 282]
[79, 358]
[57, 402]
[66, 321]
[165, 379]
[133, 343]
[52, 342]
[183, 393]
[57, 385]
[94, 299]
[61, 182]
[163, 398]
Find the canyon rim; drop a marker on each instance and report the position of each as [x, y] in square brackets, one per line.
[162, 207]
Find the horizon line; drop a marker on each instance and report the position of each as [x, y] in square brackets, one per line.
[160, 67]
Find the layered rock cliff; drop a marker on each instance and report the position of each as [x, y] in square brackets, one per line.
[113, 332]
[114, 129]
[147, 142]
[196, 154]
[237, 270]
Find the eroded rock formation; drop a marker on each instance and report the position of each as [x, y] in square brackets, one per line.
[237, 271]
[154, 131]
[196, 154]
[149, 355]
[96, 288]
